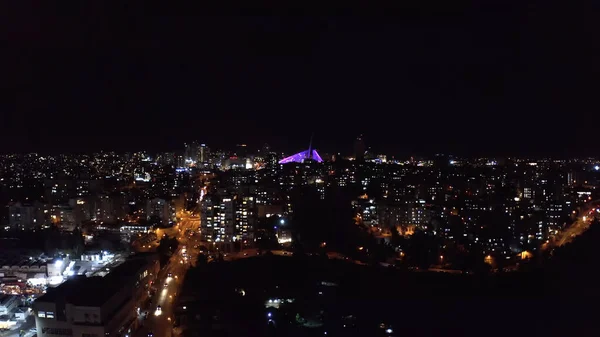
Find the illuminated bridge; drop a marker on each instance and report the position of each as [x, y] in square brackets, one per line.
[302, 156]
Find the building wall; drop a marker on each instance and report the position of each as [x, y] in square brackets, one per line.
[162, 209]
[86, 314]
[87, 320]
[56, 269]
[263, 210]
[50, 326]
[109, 318]
[22, 217]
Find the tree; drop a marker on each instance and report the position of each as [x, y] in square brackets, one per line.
[422, 249]
[396, 238]
[201, 260]
[165, 249]
[329, 220]
[52, 241]
[167, 245]
[155, 220]
[78, 243]
[106, 243]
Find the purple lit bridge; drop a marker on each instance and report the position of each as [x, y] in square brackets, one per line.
[302, 156]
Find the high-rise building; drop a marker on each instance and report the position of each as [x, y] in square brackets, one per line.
[241, 151]
[359, 148]
[66, 218]
[203, 155]
[218, 219]
[571, 179]
[191, 152]
[227, 219]
[161, 209]
[22, 217]
[245, 220]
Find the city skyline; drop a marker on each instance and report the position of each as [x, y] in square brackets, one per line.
[147, 230]
[271, 169]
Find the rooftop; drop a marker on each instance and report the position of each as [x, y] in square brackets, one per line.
[16, 260]
[94, 291]
[4, 298]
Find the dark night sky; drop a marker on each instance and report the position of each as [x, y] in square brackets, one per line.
[507, 77]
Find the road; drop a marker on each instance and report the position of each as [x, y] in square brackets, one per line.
[143, 246]
[581, 224]
[160, 322]
[26, 327]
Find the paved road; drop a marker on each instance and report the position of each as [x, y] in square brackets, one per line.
[160, 322]
[581, 224]
[26, 326]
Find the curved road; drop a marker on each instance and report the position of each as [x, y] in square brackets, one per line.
[581, 224]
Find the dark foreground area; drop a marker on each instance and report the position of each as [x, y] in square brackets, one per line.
[311, 296]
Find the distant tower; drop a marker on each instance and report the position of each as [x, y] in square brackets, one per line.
[203, 154]
[191, 151]
[265, 149]
[359, 148]
[241, 150]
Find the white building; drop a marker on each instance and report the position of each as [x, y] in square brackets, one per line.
[96, 306]
[57, 266]
[132, 229]
[24, 268]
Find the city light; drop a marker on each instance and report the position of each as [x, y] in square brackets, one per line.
[396, 205]
[302, 156]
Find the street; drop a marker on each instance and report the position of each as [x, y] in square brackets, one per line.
[580, 225]
[26, 327]
[160, 322]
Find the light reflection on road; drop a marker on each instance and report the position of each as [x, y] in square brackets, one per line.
[165, 297]
[581, 224]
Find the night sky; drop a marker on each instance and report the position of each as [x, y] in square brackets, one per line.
[507, 77]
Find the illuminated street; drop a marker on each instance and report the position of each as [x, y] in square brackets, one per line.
[580, 225]
[27, 327]
[160, 322]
